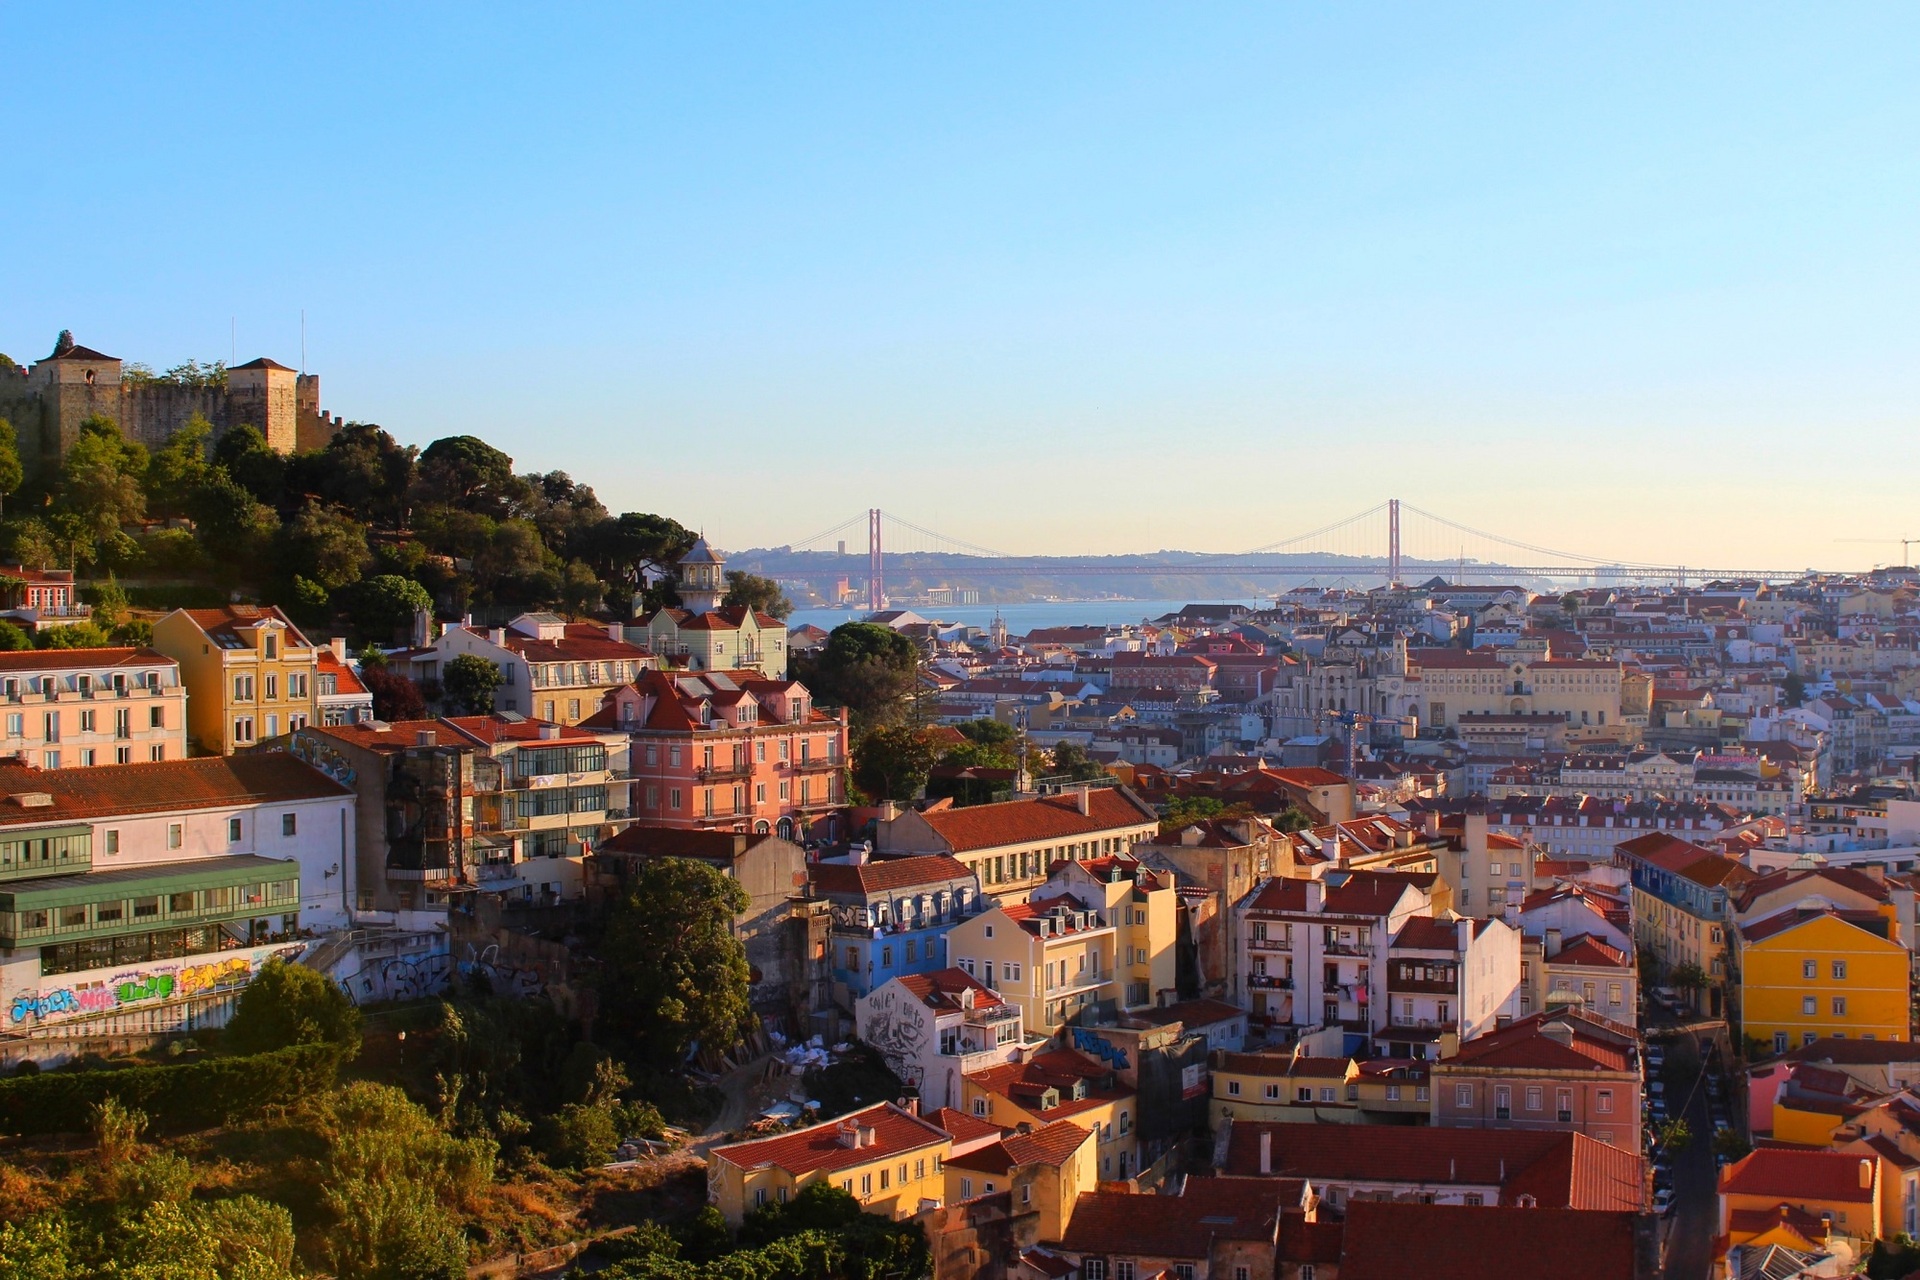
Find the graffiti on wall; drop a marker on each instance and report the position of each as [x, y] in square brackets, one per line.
[86, 995]
[894, 1022]
[400, 978]
[503, 979]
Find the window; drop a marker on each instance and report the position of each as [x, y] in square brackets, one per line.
[1303, 1094]
[1273, 1091]
[243, 729]
[289, 824]
[1536, 1097]
[1233, 1088]
[1603, 1101]
[1563, 1105]
[173, 835]
[113, 841]
[1809, 968]
[866, 1184]
[1839, 1006]
[157, 751]
[980, 1106]
[1502, 1103]
[271, 644]
[1182, 1271]
[1094, 1269]
[1463, 1095]
[1809, 1005]
[272, 686]
[966, 1188]
[1123, 1269]
[243, 688]
[1393, 1093]
[233, 831]
[1839, 970]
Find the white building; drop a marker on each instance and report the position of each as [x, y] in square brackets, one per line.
[935, 1028]
[140, 898]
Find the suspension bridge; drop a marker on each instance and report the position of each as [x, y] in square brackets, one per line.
[1387, 543]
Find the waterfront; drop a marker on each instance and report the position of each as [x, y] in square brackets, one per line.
[1022, 618]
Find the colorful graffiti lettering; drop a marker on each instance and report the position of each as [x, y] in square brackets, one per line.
[43, 1004]
[236, 972]
[144, 986]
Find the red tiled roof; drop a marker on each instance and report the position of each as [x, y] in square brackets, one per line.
[963, 1127]
[1467, 1242]
[20, 660]
[1192, 1014]
[155, 787]
[989, 826]
[1363, 893]
[1049, 1144]
[345, 678]
[1792, 918]
[1748, 1223]
[1591, 951]
[1058, 1069]
[942, 988]
[1559, 1170]
[228, 620]
[1858, 1052]
[819, 1147]
[488, 730]
[887, 874]
[1182, 1226]
[1797, 1173]
[1285, 1064]
[1526, 1044]
[1424, 933]
[580, 642]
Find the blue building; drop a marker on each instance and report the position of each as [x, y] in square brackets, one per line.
[890, 918]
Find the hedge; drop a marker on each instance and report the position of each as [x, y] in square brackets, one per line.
[189, 1095]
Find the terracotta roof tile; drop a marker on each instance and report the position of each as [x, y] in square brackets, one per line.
[1794, 1173]
[1465, 1242]
[886, 875]
[159, 786]
[1182, 1226]
[23, 660]
[989, 826]
[820, 1148]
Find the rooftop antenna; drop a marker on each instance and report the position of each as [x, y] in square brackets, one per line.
[233, 341]
[303, 342]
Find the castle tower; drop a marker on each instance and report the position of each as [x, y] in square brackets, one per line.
[702, 578]
[265, 393]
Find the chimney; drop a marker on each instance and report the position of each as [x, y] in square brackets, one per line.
[1266, 1151]
[548, 732]
[739, 844]
[1316, 896]
[498, 635]
[339, 646]
[857, 853]
[889, 810]
[426, 738]
[910, 1101]
[1464, 931]
[422, 634]
[615, 631]
[1552, 947]
[1082, 800]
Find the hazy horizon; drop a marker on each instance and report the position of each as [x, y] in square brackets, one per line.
[1080, 280]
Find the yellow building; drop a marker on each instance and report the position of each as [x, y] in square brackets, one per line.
[1097, 932]
[1810, 972]
[1287, 1088]
[887, 1158]
[249, 674]
[1061, 1084]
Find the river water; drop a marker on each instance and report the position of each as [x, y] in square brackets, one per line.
[1022, 618]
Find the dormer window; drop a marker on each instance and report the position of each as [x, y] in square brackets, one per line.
[270, 645]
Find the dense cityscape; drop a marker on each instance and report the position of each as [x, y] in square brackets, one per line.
[411, 867]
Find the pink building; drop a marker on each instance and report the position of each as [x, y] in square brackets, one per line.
[730, 751]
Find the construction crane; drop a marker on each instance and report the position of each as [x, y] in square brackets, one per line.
[1906, 555]
[1354, 719]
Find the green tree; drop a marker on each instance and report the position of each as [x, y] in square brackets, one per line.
[580, 1135]
[636, 550]
[581, 593]
[136, 632]
[991, 733]
[870, 670]
[100, 481]
[289, 1004]
[1673, 1135]
[255, 466]
[38, 1248]
[242, 1238]
[82, 635]
[363, 471]
[468, 683]
[12, 474]
[233, 526]
[1793, 690]
[892, 762]
[673, 972]
[109, 601]
[177, 470]
[468, 473]
[13, 639]
[1729, 1143]
[384, 606]
[326, 546]
[29, 541]
[755, 592]
[1070, 760]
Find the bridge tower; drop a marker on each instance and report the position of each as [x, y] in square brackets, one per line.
[876, 571]
[1393, 542]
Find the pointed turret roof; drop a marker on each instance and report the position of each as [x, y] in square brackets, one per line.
[701, 553]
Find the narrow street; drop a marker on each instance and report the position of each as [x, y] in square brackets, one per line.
[1695, 1214]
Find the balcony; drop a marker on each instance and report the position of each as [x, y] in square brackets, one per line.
[815, 766]
[1360, 950]
[725, 770]
[1269, 944]
[1267, 982]
[1088, 981]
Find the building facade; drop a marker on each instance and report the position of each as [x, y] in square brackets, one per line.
[249, 674]
[79, 708]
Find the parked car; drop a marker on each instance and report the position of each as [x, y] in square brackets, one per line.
[1662, 1201]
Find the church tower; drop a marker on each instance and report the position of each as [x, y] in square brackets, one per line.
[702, 578]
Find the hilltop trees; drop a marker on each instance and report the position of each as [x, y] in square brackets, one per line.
[673, 972]
[866, 668]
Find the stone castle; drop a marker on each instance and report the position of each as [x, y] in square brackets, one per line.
[47, 402]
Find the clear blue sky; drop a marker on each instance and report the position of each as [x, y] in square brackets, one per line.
[1057, 277]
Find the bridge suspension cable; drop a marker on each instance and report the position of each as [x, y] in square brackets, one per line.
[972, 548]
[1565, 557]
[1324, 529]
